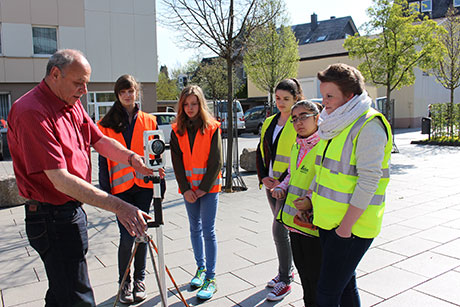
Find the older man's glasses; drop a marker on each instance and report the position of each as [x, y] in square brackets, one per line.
[302, 117]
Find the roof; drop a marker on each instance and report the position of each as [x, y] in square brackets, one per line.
[325, 30]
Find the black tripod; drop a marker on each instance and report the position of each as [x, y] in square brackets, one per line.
[146, 238]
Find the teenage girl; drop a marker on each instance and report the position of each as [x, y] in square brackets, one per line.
[273, 153]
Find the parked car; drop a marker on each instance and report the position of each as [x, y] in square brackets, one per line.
[220, 112]
[254, 118]
[164, 121]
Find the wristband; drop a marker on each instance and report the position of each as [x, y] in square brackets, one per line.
[130, 159]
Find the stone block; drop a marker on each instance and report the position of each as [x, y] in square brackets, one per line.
[248, 159]
[9, 194]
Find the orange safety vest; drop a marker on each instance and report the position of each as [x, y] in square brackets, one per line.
[123, 177]
[196, 161]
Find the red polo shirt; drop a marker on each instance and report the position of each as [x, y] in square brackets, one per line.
[45, 133]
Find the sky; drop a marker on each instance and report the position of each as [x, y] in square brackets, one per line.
[300, 11]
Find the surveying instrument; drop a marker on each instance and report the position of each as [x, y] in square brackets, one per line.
[154, 146]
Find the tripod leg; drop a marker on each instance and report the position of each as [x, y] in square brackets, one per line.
[162, 291]
[172, 279]
[126, 274]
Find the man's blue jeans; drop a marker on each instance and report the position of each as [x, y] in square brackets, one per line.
[337, 280]
[202, 218]
[141, 198]
[59, 235]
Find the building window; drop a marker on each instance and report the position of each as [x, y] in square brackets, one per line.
[414, 7]
[456, 2]
[321, 38]
[5, 105]
[426, 6]
[45, 40]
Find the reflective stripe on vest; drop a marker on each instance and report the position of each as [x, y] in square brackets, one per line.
[122, 176]
[299, 182]
[336, 178]
[283, 150]
[195, 162]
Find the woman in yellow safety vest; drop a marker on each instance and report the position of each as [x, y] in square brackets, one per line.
[273, 153]
[196, 154]
[296, 213]
[125, 123]
[352, 173]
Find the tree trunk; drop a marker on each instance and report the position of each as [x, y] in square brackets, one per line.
[229, 162]
[451, 113]
[387, 107]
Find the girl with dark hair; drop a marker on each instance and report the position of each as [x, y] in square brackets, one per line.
[273, 153]
[126, 123]
[296, 212]
[196, 154]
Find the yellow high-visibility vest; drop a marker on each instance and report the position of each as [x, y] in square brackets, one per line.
[283, 150]
[299, 182]
[336, 178]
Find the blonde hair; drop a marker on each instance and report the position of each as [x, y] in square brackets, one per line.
[203, 111]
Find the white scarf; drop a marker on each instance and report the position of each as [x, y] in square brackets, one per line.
[332, 124]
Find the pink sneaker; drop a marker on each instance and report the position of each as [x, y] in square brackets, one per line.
[279, 292]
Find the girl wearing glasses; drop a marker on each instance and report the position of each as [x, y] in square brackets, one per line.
[296, 213]
[273, 153]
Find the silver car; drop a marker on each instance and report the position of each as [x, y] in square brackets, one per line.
[164, 121]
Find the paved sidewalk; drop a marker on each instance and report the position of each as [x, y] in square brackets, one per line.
[415, 261]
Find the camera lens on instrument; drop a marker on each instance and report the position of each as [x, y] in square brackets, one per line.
[157, 146]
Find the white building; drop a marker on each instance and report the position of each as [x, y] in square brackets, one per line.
[117, 36]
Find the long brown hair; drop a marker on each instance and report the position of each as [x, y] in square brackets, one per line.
[115, 118]
[203, 112]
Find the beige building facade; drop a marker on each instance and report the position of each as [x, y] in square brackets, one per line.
[117, 36]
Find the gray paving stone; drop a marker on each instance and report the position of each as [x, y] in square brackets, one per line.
[377, 258]
[413, 298]
[445, 286]
[409, 246]
[428, 264]
[389, 281]
[451, 249]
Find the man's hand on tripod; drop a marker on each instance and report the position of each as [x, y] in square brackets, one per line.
[138, 163]
[133, 219]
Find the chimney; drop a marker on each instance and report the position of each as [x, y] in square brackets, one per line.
[314, 21]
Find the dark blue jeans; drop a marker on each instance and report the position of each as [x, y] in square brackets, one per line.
[59, 235]
[337, 280]
[141, 198]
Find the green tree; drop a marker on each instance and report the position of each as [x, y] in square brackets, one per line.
[447, 71]
[222, 27]
[396, 42]
[272, 54]
[211, 75]
[166, 89]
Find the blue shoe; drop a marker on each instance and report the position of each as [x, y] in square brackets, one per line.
[198, 280]
[207, 290]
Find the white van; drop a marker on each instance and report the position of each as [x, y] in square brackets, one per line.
[220, 112]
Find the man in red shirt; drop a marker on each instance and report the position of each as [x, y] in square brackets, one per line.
[49, 136]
